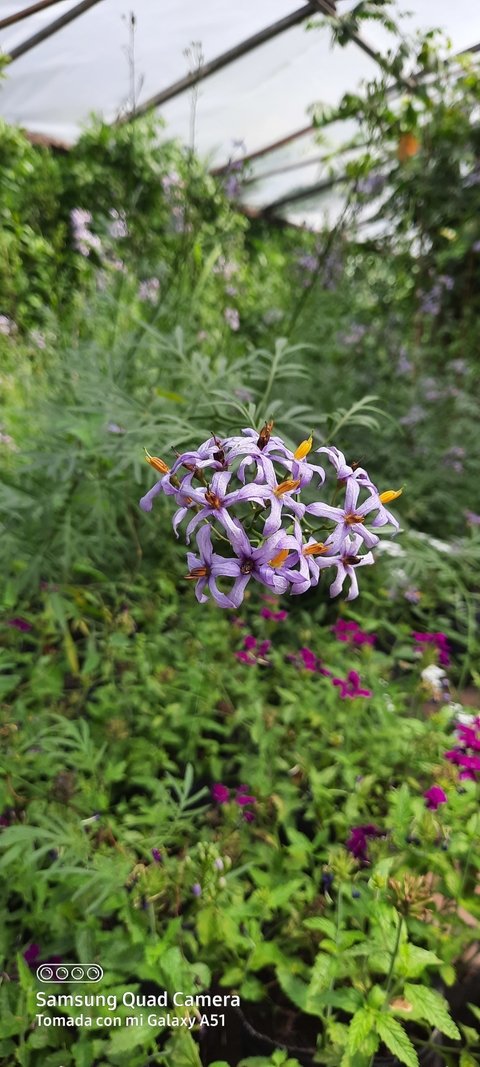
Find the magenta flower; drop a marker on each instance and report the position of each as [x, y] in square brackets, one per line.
[245, 801]
[440, 643]
[220, 793]
[274, 616]
[243, 797]
[20, 624]
[434, 797]
[350, 686]
[351, 633]
[358, 841]
[254, 652]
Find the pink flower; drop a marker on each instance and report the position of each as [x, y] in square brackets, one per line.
[350, 686]
[275, 616]
[358, 840]
[352, 634]
[434, 797]
[439, 641]
[254, 652]
[220, 793]
[20, 624]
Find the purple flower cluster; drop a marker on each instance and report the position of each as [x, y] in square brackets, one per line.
[352, 634]
[439, 641]
[244, 799]
[466, 753]
[242, 496]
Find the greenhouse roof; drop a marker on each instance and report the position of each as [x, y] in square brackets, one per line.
[229, 78]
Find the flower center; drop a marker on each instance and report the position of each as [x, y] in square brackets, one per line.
[212, 499]
[353, 518]
[351, 560]
[279, 558]
[287, 487]
[247, 566]
[316, 549]
[197, 572]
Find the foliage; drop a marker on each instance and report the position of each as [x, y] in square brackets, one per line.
[318, 881]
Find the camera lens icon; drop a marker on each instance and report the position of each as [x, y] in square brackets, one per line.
[69, 972]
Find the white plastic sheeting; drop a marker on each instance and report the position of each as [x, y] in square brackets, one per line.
[258, 99]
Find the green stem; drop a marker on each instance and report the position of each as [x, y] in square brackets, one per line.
[393, 959]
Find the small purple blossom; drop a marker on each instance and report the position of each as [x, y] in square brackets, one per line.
[197, 889]
[20, 624]
[232, 318]
[156, 855]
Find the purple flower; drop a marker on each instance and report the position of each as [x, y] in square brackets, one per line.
[148, 290]
[156, 855]
[434, 797]
[439, 641]
[343, 469]
[20, 624]
[232, 318]
[255, 563]
[351, 518]
[197, 889]
[243, 797]
[207, 567]
[254, 652]
[113, 427]
[310, 662]
[371, 185]
[274, 616]
[352, 634]
[31, 955]
[358, 840]
[214, 502]
[472, 518]
[220, 793]
[350, 686]
[415, 415]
